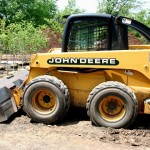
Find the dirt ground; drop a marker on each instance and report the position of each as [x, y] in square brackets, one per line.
[74, 133]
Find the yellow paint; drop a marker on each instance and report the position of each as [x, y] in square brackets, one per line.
[146, 108]
[128, 59]
[41, 105]
[133, 47]
[17, 93]
[133, 70]
[112, 108]
[79, 84]
[142, 94]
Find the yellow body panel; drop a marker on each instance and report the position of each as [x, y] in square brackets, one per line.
[79, 84]
[128, 59]
[133, 70]
[139, 47]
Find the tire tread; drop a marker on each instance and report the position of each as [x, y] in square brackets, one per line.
[58, 83]
[118, 85]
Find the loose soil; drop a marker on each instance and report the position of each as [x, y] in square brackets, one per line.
[75, 132]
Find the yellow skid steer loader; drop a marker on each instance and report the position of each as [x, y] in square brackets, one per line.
[96, 69]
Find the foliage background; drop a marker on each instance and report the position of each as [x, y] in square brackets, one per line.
[24, 23]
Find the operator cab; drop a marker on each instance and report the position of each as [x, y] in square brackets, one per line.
[99, 32]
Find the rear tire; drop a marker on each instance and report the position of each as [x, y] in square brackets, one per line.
[46, 99]
[112, 104]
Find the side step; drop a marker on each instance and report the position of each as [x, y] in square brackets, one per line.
[7, 101]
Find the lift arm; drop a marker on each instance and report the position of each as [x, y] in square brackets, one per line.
[144, 30]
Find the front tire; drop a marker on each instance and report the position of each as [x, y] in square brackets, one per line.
[46, 99]
[112, 104]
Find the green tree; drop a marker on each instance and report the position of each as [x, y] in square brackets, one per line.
[71, 8]
[142, 16]
[21, 38]
[117, 7]
[4, 39]
[36, 11]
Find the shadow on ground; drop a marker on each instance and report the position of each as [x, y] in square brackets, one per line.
[75, 115]
[142, 122]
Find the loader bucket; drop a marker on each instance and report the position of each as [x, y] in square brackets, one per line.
[7, 101]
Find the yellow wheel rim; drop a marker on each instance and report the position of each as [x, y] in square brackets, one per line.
[44, 101]
[112, 108]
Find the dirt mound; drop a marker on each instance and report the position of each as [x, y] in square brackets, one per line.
[54, 40]
[75, 132]
[133, 40]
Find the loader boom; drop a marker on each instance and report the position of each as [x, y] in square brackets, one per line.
[144, 30]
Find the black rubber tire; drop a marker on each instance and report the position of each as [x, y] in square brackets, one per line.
[123, 92]
[54, 85]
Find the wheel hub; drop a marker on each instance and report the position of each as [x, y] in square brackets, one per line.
[112, 108]
[46, 99]
[112, 105]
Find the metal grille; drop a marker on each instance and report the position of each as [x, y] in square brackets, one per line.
[89, 35]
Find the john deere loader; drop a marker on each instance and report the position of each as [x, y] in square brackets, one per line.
[96, 69]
